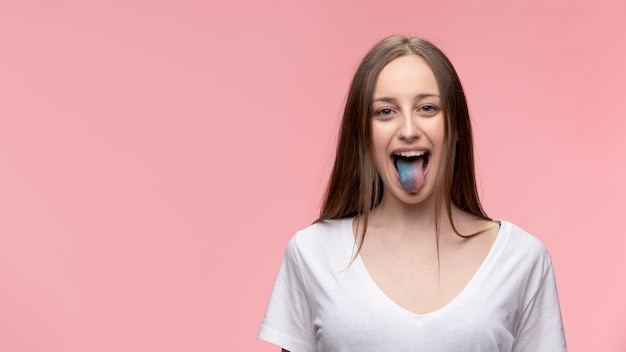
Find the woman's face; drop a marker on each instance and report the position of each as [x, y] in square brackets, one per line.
[408, 129]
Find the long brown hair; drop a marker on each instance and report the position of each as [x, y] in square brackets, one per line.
[355, 187]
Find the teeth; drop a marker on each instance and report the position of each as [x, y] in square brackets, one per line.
[410, 153]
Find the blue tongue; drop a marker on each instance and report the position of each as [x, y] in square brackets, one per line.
[411, 173]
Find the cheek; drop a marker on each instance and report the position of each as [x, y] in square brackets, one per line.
[438, 133]
[381, 146]
[378, 142]
[382, 134]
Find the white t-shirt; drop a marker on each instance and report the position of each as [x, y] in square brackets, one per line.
[321, 302]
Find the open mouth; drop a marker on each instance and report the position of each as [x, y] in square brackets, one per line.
[411, 168]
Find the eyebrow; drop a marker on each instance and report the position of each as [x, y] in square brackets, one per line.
[394, 100]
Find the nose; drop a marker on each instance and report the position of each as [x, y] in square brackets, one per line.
[409, 129]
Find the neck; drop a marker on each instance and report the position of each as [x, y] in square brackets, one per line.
[411, 219]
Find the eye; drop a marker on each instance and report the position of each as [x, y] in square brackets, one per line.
[428, 109]
[384, 113]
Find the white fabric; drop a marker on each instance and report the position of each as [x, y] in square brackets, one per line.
[321, 303]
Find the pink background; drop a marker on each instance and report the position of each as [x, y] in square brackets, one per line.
[156, 156]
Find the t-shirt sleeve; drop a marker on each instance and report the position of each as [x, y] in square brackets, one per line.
[288, 321]
[541, 328]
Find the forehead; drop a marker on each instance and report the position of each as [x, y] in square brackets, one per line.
[408, 76]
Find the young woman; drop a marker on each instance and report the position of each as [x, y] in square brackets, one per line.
[403, 257]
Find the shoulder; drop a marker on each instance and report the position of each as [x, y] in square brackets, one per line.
[324, 228]
[518, 263]
[519, 237]
[320, 233]
[326, 240]
[522, 248]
